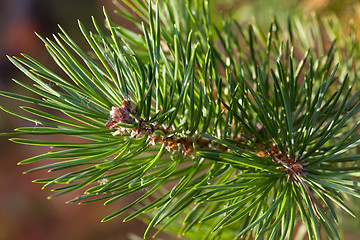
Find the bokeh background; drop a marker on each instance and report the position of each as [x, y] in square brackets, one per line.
[25, 212]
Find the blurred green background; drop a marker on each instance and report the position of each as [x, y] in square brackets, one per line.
[25, 213]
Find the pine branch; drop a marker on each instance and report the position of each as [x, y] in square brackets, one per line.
[250, 127]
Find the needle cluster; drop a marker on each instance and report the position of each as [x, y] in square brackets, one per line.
[226, 130]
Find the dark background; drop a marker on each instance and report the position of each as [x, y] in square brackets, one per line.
[25, 212]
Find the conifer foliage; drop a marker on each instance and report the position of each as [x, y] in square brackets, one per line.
[228, 131]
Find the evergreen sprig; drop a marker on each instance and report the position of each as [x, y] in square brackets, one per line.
[255, 130]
